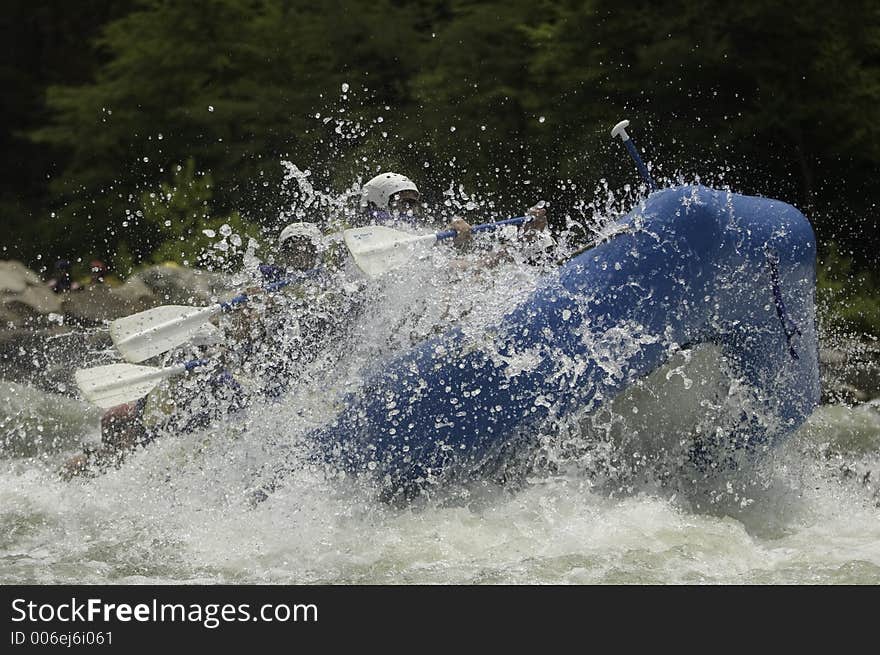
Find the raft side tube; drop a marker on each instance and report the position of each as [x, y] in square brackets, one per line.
[694, 265]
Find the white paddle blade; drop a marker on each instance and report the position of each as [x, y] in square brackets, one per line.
[114, 384]
[155, 331]
[377, 249]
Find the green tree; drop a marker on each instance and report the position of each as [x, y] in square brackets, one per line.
[848, 299]
[769, 98]
[234, 83]
[42, 42]
[771, 95]
[179, 217]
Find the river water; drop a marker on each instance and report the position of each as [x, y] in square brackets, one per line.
[597, 501]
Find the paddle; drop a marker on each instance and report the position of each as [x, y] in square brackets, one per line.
[154, 331]
[114, 384]
[620, 130]
[377, 249]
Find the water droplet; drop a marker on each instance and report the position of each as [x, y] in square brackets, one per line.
[345, 87]
[209, 233]
[541, 119]
[210, 107]
[452, 129]
[225, 230]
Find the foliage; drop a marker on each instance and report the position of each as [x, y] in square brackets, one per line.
[848, 300]
[179, 218]
[514, 100]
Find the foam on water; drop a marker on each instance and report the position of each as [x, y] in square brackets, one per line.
[174, 513]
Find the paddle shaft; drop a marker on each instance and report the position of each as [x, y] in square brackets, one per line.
[620, 130]
[643, 170]
[269, 288]
[448, 234]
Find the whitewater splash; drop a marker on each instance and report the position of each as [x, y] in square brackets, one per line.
[173, 513]
[603, 497]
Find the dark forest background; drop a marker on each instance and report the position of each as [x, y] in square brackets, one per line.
[128, 124]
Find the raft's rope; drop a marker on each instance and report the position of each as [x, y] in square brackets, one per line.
[789, 327]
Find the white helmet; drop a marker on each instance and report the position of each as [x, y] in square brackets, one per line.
[301, 229]
[380, 189]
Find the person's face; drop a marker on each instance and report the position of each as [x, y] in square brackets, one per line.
[298, 253]
[404, 203]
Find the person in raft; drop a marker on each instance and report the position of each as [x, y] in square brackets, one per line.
[249, 345]
[392, 199]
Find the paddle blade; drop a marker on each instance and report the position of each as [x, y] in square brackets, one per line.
[377, 249]
[155, 331]
[114, 384]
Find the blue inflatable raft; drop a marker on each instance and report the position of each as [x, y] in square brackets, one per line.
[691, 265]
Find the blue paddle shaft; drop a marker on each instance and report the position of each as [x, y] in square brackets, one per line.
[270, 288]
[195, 364]
[233, 302]
[280, 284]
[448, 234]
[643, 170]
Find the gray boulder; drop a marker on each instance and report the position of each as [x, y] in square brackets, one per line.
[31, 302]
[177, 285]
[15, 277]
[95, 305]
